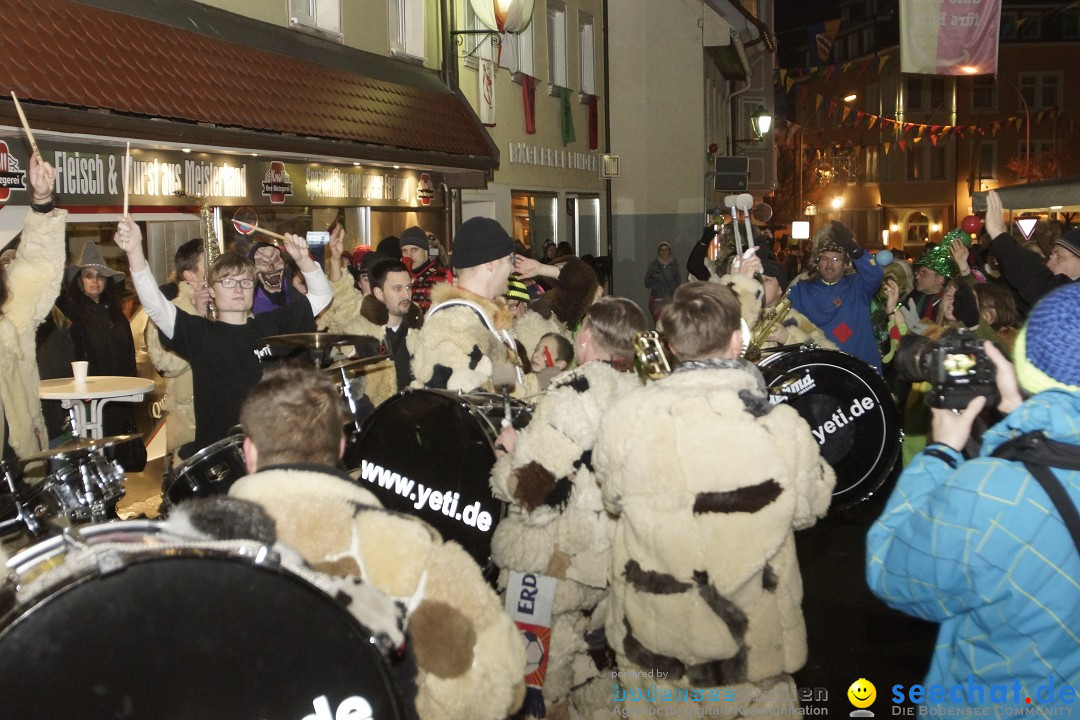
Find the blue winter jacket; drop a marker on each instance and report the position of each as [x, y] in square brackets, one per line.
[982, 550]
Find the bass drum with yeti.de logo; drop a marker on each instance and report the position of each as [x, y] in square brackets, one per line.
[120, 620]
[851, 414]
[429, 453]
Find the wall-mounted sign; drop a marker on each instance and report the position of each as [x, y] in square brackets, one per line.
[525, 154]
[92, 175]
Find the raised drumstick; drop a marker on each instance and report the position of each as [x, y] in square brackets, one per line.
[127, 186]
[268, 233]
[26, 127]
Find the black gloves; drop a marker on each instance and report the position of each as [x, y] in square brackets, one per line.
[707, 234]
[965, 307]
[844, 238]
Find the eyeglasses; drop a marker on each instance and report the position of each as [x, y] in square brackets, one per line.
[231, 282]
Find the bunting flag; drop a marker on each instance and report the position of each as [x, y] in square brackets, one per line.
[567, 116]
[887, 146]
[822, 37]
[485, 73]
[944, 37]
[528, 102]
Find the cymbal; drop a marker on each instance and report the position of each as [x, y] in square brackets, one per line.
[313, 341]
[349, 363]
[78, 446]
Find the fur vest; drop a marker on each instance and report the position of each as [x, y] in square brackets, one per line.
[708, 480]
[455, 350]
[351, 313]
[33, 280]
[751, 296]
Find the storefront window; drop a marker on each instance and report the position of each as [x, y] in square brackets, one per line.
[535, 220]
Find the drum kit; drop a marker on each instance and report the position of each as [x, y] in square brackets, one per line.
[84, 487]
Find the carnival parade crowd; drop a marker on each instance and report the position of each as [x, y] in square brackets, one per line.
[649, 474]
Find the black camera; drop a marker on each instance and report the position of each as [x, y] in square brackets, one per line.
[955, 365]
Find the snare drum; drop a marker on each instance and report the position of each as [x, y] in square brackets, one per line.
[211, 471]
[851, 414]
[86, 490]
[429, 453]
[138, 624]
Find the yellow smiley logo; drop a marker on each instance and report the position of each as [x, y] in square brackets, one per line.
[862, 693]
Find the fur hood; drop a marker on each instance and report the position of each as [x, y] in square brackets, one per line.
[374, 311]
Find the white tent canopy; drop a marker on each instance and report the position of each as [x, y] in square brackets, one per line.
[1039, 195]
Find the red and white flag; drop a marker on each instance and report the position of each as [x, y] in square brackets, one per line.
[944, 37]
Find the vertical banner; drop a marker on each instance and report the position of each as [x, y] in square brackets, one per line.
[485, 72]
[943, 37]
[821, 37]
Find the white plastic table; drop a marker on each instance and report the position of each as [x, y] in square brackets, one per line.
[96, 391]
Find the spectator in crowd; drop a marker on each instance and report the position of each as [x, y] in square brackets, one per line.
[836, 296]
[982, 546]
[662, 276]
[415, 247]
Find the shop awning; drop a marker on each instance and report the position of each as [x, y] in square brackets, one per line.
[1039, 195]
[188, 73]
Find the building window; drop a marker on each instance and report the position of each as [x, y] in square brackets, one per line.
[914, 163]
[870, 159]
[322, 15]
[1070, 25]
[557, 45]
[937, 162]
[516, 54]
[937, 93]
[407, 28]
[987, 160]
[1041, 89]
[471, 43]
[913, 94]
[587, 48]
[983, 93]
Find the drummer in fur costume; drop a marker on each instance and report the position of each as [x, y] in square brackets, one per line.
[469, 655]
[464, 341]
[761, 284]
[557, 525]
[708, 481]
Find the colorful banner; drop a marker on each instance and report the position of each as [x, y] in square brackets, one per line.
[485, 74]
[944, 37]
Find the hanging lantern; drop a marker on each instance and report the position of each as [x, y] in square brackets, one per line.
[504, 16]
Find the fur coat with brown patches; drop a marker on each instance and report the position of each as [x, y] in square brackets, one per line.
[33, 282]
[556, 524]
[571, 296]
[708, 481]
[470, 656]
[751, 296]
[455, 350]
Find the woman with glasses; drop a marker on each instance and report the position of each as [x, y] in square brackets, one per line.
[225, 354]
[93, 303]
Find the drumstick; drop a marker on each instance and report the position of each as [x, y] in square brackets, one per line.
[258, 229]
[127, 166]
[26, 127]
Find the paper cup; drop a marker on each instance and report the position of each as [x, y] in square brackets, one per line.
[79, 369]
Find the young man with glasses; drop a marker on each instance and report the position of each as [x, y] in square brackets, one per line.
[224, 355]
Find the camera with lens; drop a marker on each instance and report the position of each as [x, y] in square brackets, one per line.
[955, 365]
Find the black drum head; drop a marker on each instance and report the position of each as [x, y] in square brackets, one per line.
[851, 414]
[430, 454]
[199, 638]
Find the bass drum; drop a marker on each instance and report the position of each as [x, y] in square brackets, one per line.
[429, 453]
[851, 414]
[133, 626]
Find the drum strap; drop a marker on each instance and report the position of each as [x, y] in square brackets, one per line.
[1039, 454]
[502, 335]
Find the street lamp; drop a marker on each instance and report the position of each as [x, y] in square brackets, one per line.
[760, 124]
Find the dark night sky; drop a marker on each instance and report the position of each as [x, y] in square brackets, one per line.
[789, 14]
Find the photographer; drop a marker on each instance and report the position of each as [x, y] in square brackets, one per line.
[978, 545]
